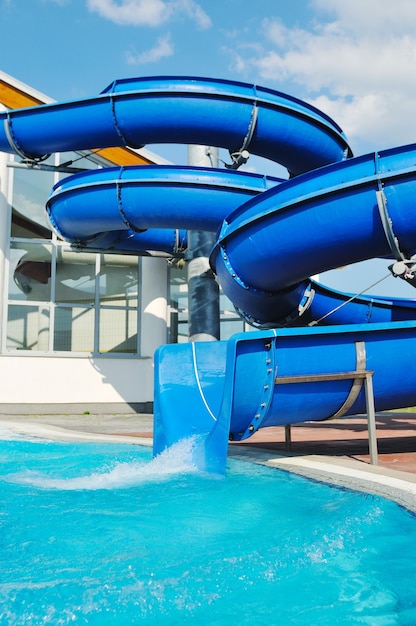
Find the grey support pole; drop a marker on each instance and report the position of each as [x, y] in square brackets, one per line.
[203, 291]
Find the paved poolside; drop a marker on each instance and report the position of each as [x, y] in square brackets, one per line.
[348, 438]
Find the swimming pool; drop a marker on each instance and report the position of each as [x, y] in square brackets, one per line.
[101, 534]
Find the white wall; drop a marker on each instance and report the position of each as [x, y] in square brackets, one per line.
[75, 380]
[153, 304]
[71, 379]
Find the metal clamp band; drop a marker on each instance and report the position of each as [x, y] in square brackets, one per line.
[388, 226]
[27, 158]
[360, 367]
[242, 155]
[120, 133]
[357, 376]
[10, 138]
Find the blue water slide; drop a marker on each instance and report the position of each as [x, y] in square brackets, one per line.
[272, 235]
[338, 215]
[185, 110]
[83, 207]
[140, 207]
[231, 389]
[331, 307]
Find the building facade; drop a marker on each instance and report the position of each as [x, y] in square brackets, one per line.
[78, 329]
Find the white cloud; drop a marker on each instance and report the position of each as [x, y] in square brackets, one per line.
[192, 10]
[356, 60]
[162, 49]
[133, 12]
[149, 12]
[370, 17]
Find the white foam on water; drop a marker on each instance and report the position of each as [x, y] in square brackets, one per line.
[11, 434]
[177, 459]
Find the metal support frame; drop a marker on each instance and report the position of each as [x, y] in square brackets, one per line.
[366, 377]
[203, 290]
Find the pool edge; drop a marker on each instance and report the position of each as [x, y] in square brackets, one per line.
[393, 485]
[356, 475]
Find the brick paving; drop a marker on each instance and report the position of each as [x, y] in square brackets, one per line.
[348, 438]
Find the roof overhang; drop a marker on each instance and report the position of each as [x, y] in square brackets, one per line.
[16, 95]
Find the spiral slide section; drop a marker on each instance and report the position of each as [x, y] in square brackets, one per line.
[183, 110]
[360, 209]
[334, 210]
[157, 204]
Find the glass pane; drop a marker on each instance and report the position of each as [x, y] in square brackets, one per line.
[30, 271]
[31, 189]
[74, 329]
[75, 277]
[118, 330]
[179, 305]
[119, 281]
[230, 322]
[77, 160]
[27, 327]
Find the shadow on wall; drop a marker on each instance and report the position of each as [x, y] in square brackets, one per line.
[128, 382]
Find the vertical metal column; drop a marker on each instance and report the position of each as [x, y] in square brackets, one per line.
[371, 418]
[288, 437]
[5, 211]
[203, 291]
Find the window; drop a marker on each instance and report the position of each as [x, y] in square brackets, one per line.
[230, 322]
[61, 300]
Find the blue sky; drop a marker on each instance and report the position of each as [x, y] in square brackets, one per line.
[354, 59]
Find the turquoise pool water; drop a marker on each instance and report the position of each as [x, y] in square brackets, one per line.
[102, 534]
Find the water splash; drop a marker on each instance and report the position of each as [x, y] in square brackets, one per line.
[177, 459]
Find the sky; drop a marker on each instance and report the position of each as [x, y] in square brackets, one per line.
[353, 59]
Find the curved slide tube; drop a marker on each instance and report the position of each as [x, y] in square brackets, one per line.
[143, 111]
[231, 389]
[315, 222]
[273, 236]
[127, 200]
[332, 307]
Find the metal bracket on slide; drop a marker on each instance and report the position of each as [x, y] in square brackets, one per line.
[27, 159]
[403, 268]
[242, 155]
[388, 225]
[119, 130]
[360, 367]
